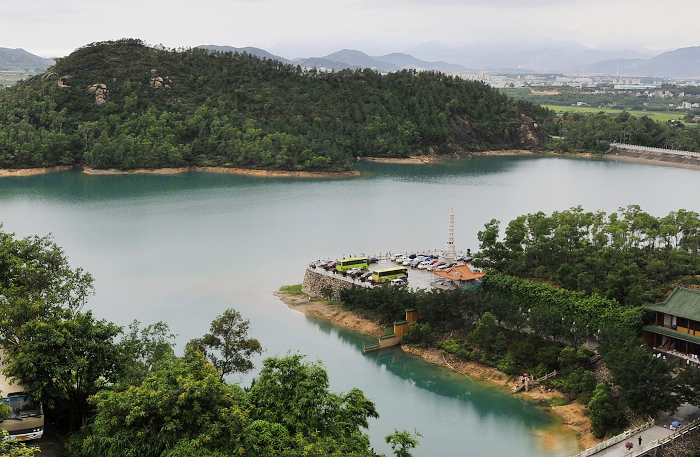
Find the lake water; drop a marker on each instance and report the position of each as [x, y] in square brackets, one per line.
[184, 248]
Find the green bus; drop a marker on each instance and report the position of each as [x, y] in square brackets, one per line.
[353, 262]
[388, 274]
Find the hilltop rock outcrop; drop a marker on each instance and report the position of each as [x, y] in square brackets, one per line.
[101, 93]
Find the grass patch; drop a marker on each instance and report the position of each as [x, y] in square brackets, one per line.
[660, 116]
[292, 290]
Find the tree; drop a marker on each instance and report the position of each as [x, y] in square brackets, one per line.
[142, 349]
[59, 353]
[605, 414]
[402, 442]
[64, 362]
[295, 395]
[182, 408]
[646, 382]
[228, 346]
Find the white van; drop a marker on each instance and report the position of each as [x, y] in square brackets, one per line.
[400, 281]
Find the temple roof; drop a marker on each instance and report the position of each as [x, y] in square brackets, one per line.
[459, 273]
[682, 303]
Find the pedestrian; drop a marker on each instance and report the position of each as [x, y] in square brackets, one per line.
[640, 440]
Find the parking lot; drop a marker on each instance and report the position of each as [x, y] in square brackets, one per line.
[417, 279]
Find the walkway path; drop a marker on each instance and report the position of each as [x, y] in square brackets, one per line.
[685, 415]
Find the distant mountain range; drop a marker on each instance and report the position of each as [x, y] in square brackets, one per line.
[21, 60]
[542, 56]
[564, 57]
[681, 63]
[349, 59]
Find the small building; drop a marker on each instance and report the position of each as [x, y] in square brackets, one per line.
[676, 325]
[458, 276]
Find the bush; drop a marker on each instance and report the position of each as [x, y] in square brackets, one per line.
[420, 334]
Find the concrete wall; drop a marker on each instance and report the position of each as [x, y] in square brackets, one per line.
[316, 279]
[681, 446]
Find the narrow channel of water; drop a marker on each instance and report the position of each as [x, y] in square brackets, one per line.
[183, 248]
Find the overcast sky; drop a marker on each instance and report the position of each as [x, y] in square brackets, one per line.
[317, 27]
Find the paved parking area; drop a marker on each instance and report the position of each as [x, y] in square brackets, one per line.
[417, 279]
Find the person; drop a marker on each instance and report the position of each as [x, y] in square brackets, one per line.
[640, 440]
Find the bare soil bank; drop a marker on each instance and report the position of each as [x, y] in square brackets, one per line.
[240, 171]
[32, 171]
[174, 171]
[654, 158]
[573, 415]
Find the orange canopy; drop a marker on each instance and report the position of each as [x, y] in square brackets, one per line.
[460, 273]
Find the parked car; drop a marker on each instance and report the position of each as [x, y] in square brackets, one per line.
[436, 266]
[433, 262]
[354, 272]
[406, 262]
[373, 260]
[366, 276]
[423, 265]
[332, 265]
[400, 281]
[412, 256]
[468, 259]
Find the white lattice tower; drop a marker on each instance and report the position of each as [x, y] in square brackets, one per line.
[450, 246]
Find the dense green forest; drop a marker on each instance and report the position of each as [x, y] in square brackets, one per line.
[594, 132]
[628, 256]
[127, 105]
[118, 392]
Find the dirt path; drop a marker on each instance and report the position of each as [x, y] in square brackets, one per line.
[573, 415]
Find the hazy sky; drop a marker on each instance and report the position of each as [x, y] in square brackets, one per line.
[316, 27]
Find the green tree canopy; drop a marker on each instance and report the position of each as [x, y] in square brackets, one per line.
[228, 346]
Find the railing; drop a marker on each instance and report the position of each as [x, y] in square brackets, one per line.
[633, 147]
[661, 441]
[615, 439]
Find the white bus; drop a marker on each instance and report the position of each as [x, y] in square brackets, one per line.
[20, 414]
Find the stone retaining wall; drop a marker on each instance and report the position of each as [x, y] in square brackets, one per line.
[316, 280]
[681, 446]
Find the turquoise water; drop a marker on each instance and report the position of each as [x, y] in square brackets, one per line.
[183, 248]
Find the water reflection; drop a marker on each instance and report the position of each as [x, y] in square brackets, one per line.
[488, 401]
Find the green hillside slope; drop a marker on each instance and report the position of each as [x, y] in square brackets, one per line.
[126, 105]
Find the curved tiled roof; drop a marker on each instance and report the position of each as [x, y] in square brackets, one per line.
[682, 303]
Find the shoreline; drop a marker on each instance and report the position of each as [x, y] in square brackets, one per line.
[237, 171]
[32, 171]
[180, 170]
[572, 415]
[653, 158]
[649, 158]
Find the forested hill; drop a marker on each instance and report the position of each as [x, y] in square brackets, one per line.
[126, 105]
